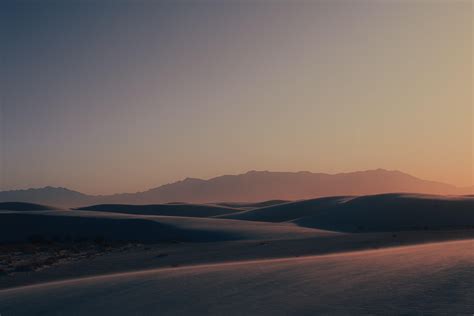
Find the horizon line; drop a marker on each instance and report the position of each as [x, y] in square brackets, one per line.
[236, 174]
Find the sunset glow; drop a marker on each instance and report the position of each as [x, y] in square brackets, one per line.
[106, 97]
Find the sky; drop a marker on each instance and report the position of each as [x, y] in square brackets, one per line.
[121, 96]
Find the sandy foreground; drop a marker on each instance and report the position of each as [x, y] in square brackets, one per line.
[358, 256]
[434, 278]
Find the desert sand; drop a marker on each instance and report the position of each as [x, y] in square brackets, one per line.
[415, 255]
[170, 209]
[22, 225]
[425, 279]
[383, 212]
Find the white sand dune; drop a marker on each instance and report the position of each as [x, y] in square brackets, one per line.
[167, 254]
[395, 212]
[231, 266]
[20, 226]
[424, 279]
[252, 205]
[384, 212]
[170, 209]
[288, 211]
[23, 206]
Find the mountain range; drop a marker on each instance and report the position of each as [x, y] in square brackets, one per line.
[253, 186]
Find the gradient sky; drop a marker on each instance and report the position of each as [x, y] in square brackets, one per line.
[120, 96]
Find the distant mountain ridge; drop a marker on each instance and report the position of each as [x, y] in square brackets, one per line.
[253, 186]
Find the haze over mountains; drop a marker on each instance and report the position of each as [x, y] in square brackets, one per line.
[253, 186]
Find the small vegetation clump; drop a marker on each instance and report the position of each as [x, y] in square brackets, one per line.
[40, 252]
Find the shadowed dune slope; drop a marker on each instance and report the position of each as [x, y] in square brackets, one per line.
[384, 212]
[77, 225]
[289, 211]
[250, 205]
[170, 209]
[391, 212]
[23, 206]
[420, 281]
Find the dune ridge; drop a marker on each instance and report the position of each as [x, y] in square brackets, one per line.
[288, 211]
[280, 286]
[252, 205]
[169, 209]
[383, 212]
[77, 225]
[395, 212]
[23, 206]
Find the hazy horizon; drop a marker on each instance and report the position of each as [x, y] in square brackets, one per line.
[240, 174]
[109, 97]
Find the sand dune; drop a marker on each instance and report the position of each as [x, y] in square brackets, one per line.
[424, 279]
[22, 206]
[392, 212]
[66, 225]
[169, 209]
[252, 205]
[149, 256]
[291, 258]
[384, 212]
[288, 211]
